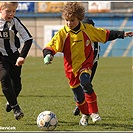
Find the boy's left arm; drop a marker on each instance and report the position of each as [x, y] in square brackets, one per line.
[129, 33]
[118, 34]
[24, 52]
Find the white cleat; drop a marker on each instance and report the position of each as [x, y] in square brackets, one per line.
[95, 117]
[84, 120]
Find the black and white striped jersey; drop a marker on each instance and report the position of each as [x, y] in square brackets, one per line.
[9, 35]
[96, 48]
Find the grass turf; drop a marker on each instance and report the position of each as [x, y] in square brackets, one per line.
[46, 88]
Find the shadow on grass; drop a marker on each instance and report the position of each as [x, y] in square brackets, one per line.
[40, 96]
[44, 96]
[119, 123]
[105, 126]
[101, 125]
[109, 126]
[67, 123]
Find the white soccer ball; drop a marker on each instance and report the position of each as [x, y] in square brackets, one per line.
[47, 121]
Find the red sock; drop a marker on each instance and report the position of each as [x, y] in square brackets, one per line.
[92, 102]
[83, 107]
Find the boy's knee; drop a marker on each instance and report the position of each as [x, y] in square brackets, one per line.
[85, 83]
[4, 78]
[84, 78]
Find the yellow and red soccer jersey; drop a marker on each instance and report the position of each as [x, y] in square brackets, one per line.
[77, 46]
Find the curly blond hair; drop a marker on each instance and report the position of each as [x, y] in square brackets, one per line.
[73, 9]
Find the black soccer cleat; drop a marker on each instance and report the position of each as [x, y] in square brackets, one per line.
[8, 107]
[18, 114]
[76, 111]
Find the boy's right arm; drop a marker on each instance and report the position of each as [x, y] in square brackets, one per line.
[48, 56]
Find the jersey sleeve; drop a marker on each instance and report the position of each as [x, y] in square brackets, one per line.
[22, 30]
[56, 43]
[100, 35]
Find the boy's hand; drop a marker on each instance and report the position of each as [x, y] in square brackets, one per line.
[20, 61]
[129, 33]
[48, 58]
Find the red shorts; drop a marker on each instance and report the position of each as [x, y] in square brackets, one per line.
[74, 81]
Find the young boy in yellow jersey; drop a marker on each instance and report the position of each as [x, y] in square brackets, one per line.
[75, 41]
[96, 48]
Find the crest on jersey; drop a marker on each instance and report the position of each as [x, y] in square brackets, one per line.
[87, 42]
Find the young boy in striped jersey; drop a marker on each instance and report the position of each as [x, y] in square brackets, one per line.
[11, 60]
[75, 41]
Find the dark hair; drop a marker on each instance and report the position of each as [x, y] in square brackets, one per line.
[89, 21]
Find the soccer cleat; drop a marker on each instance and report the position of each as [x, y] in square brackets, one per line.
[8, 107]
[76, 111]
[95, 117]
[18, 114]
[84, 120]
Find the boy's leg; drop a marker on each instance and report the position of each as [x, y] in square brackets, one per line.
[90, 95]
[82, 105]
[16, 79]
[16, 83]
[79, 97]
[6, 84]
[15, 74]
[8, 90]
[76, 110]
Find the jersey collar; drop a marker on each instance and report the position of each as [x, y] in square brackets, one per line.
[69, 30]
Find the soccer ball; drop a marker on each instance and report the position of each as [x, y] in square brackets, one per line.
[47, 121]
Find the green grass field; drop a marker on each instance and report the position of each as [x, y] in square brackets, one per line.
[46, 88]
